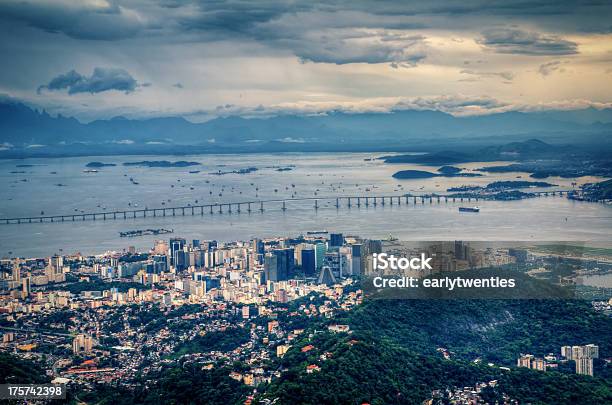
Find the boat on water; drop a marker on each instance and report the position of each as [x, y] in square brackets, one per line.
[469, 209]
[323, 231]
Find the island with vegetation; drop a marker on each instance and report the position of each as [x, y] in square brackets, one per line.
[162, 163]
[142, 232]
[498, 190]
[97, 165]
[414, 174]
[533, 156]
[444, 171]
[431, 159]
[601, 191]
[542, 169]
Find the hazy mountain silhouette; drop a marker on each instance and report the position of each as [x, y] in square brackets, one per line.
[24, 128]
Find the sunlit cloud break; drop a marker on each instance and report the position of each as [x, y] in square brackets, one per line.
[460, 105]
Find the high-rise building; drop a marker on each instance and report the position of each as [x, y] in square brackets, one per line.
[462, 250]
[258, 251]
[320, 250]
[278, 264]
[57, 262]
[374, 246]
[82, 344]
[538, 364]
[524, 361]
[159, 264]
[177, 256]
[529, 361]
[286, 262]
[297, 253]
[335, 240]
[308, 261]
[338, 263]
[271, 267]
[26, 287]
[16, 271]
[357, 259]
[583, 356]
[584, 366]
[126, 270]
[566, 351]
[592, 351]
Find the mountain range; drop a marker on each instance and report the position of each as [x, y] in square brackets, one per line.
[26, 131]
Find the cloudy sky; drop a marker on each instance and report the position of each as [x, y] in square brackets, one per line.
[101, 58]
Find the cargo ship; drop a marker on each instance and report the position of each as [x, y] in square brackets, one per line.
[469, 209]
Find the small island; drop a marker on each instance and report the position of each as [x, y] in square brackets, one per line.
[498, 190]
[512, 185]
[444, 171]
[414, 174]
[162, 163]
[142, 232]
[240, 171]
[97, 165]
[497, 186]
[462, 189]
[449, 170]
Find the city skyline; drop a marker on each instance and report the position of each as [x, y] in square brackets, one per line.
[119, 319]
[318, 202]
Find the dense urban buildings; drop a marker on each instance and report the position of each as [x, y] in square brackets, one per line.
[109, 318]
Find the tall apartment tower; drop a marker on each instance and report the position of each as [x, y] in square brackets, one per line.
[82, 344]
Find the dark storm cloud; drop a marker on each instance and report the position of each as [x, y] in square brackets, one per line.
[516, 41]
[317, 31]
[237, 16]
[77, 19]
[349, 46]
[343, 32]
[203, 43]
[102, 79]
[241, 16]
[222, 19]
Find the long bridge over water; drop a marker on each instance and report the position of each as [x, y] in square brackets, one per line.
[255, 205]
